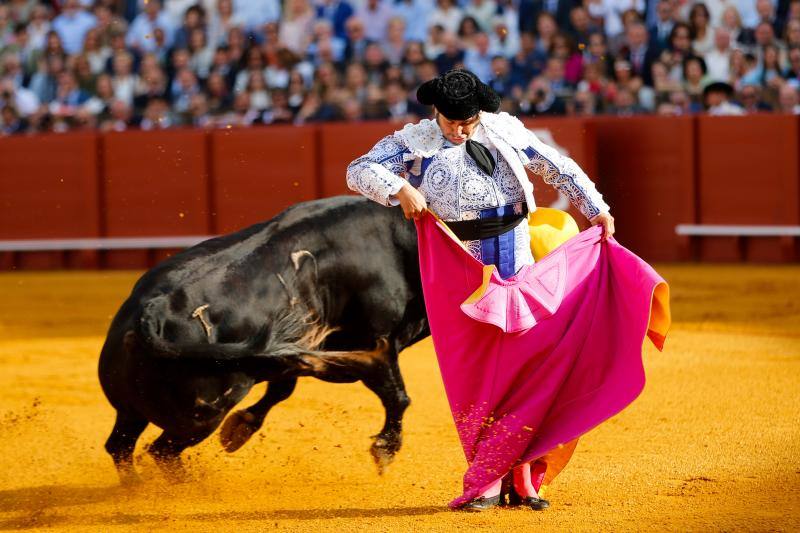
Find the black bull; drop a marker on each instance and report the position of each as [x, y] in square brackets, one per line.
[328, 289]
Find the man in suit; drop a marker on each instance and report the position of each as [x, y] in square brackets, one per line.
[638, 52]
[665, 20]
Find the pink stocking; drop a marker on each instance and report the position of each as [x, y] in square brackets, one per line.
[528, 479]
[492, 489]
[522, 481]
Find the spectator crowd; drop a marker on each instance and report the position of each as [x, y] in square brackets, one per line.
[149, 64]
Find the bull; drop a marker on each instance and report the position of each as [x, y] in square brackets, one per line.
[328, 288]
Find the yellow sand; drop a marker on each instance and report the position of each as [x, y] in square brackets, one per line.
[713, 443]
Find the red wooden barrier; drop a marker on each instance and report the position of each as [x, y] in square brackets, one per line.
[647, 177]
[258, 172]
[748, 174]
[340, 144]
[49, 189]
[155, 183]
[181, 182]
[577, 138]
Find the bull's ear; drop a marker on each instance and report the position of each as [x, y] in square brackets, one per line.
[298, 257]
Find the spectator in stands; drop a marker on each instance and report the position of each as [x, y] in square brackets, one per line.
[72, 25]
[528, 61]
[583, 105]
[447, 15]
[766, 13]
[467, 30]
[39, 26]
[356, 40]
[201, 54]
[53, 46]
[100, 102]
[434, 43]
[694, 76]
[20, 11]
[702, 35]
[503, 40]
[546, 29]
[152, 85]
[378, 13]
[222, 20]
[401, 107]
[142, 35]
[120, 118]
[610, 12]
[625, 104]
[662, 28]
[337, 12]
[680, 47]
[394, 46]
[45, 80]
[731, 21]
[716, 97]
[638, 52]
[96, 54]
[124, 79]
[10, 121]
[478, 60]
[789, 102]
[580, 26]
[198, 115]
[25, 54]
[108, 24]
[718, 59]
[156, 115]
[183, 87]
[256, 13]
[280, 112]
[501, 80]
[483, 12]
[415, 14]
[791, 34]
[452, 56]
[792, 72]
[750, 98]
[565, 49]
[595, 82]
[541, 99]
[375, 63]
[597, 53]
[194, 18]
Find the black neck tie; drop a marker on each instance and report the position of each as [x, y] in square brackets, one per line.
[482, 156]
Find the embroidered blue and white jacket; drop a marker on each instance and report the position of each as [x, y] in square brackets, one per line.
[457, 189]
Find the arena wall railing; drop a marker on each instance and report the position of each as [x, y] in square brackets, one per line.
[130, 199]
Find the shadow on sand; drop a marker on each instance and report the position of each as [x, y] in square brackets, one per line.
[34, 508]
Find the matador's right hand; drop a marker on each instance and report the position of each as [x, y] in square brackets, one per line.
[412, 201]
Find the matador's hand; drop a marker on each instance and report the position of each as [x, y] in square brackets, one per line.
[605, 220]
[412, 201]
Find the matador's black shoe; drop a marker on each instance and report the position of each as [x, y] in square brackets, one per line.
[537, 504]
[510, 498]
[481, 504]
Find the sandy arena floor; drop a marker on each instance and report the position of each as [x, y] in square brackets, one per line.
[713, 443]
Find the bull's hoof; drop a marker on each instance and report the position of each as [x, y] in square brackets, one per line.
[237, 430]
[383, 453]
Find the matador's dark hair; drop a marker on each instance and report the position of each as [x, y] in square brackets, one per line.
[458, 95]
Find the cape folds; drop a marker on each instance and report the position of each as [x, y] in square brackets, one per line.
[532, 362]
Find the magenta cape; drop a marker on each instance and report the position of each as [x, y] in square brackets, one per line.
[532, 362]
